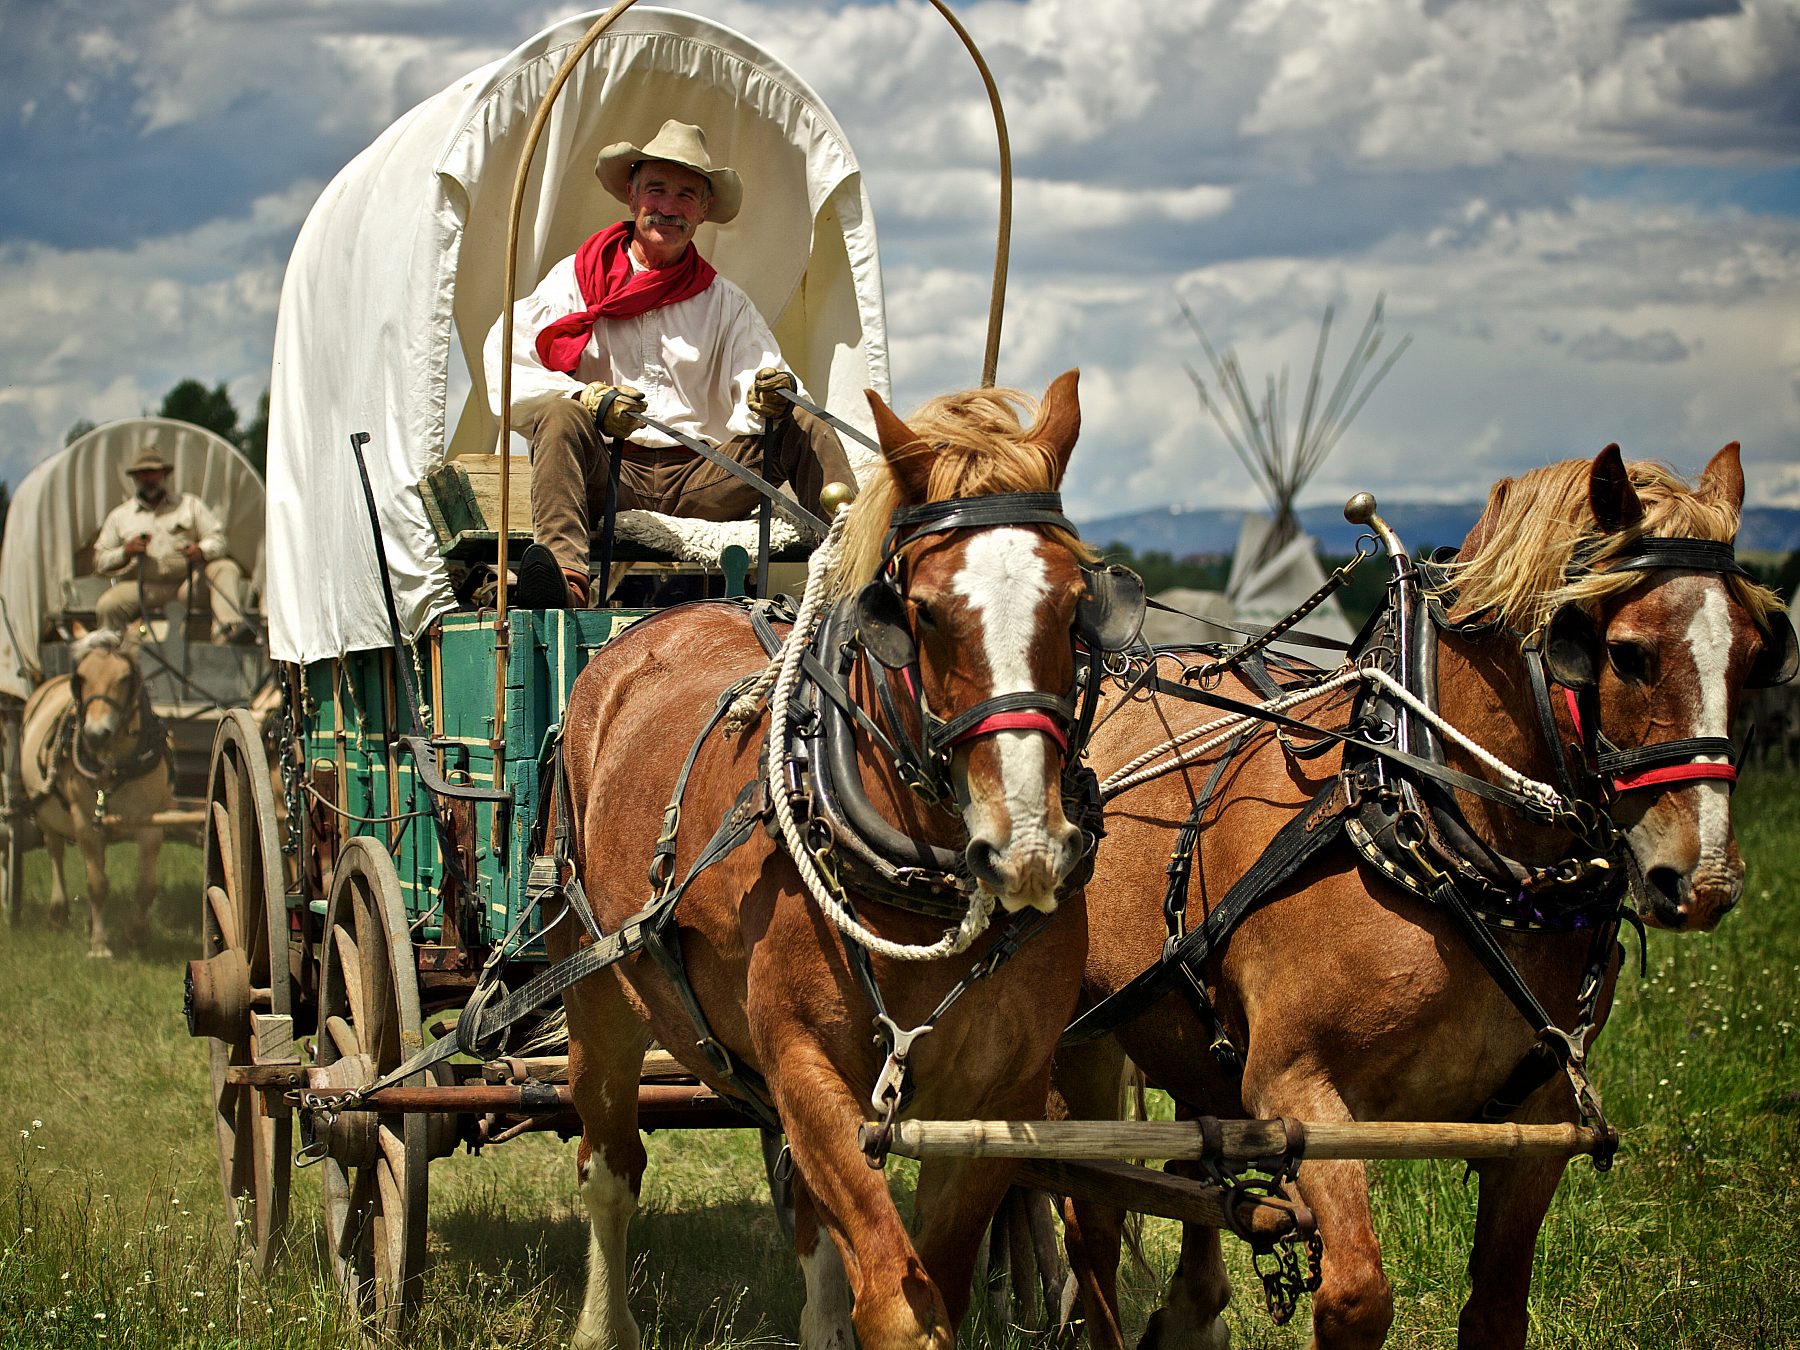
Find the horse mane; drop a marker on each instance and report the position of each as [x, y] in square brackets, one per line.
[98, 640]
[1520, 570]
[979, 443]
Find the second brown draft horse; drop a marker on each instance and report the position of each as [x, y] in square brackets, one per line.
[1352, 989]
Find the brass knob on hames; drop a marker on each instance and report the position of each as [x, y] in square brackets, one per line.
[1360, 509]
[833, 497]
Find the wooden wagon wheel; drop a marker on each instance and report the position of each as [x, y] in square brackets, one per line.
[375, 1164]
[240, 993]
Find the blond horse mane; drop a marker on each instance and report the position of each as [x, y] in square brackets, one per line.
[980, 443]
[1532, 527]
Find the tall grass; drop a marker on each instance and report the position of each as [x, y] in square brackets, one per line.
[112, 1230]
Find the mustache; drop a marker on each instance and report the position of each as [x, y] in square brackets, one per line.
[657, 218]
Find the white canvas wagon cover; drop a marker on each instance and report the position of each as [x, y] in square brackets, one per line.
[399, 272]
[58, 508]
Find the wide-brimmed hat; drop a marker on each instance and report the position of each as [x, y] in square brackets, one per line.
[149, 459]
[678, 143]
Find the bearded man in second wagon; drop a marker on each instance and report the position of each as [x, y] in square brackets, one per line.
[636, 321]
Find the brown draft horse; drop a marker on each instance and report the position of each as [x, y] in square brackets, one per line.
[90, 746]
[990, 608]
[1348, 998]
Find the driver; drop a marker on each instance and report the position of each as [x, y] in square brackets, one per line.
[159, 540]
[638, 314]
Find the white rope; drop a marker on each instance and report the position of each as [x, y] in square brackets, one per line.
[783, 673]
[1131, 774]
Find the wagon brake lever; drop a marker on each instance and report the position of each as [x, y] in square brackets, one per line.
[425, 762]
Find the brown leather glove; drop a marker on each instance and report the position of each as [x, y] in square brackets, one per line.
[765, 399]
[622, 417]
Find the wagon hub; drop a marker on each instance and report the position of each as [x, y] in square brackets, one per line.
[217, 997]
[348, 1138]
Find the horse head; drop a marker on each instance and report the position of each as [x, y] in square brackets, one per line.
[970, 586]
[107, 689]
[1653, 631]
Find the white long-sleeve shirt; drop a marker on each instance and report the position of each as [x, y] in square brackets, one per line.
[178, 520]
[694, 361]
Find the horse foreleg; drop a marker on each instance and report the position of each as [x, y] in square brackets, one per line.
[1087, 1079]
[956, 1201]
[1354, 1305]
[896, 1304]
[59, 890]
[149, 843]
[1189, 1318]
[825, 1321]
[1514, 1199]
[606, 1057]
[93, 854]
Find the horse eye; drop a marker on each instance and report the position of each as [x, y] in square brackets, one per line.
[922, 612]
[1630, 661]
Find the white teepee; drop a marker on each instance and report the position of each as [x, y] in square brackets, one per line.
[1276, 567]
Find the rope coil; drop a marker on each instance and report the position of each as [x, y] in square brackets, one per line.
[781, 676]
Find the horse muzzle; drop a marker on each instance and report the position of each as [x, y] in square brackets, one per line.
[1026, 876]
[1682, 903]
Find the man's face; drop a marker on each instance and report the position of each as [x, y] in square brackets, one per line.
[151, 483]
[668, 202]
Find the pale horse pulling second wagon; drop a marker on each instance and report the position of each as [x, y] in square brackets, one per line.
[52, 592]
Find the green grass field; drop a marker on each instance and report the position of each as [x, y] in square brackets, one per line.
[112, 1230]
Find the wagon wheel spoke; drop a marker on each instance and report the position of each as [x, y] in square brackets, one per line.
[226, 845]
[355, 1212]
[349, 957]
[222, 913]
[343, 1036]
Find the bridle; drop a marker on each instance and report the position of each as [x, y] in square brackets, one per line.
[1107, 619]
[1567, 653]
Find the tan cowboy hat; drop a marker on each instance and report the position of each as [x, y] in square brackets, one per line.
[149, 460]
[678, 143]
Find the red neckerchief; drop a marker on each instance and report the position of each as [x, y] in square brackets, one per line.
[614, 291]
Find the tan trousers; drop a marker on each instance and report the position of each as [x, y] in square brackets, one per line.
[225, 593]
[570, 461]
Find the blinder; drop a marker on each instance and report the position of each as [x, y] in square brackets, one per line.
[881, 625]
[1571, 648]
[1111, 612]
[1779, 660]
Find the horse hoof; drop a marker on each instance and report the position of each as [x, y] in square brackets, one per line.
[138, 935]
[59, 918]
[100, 953]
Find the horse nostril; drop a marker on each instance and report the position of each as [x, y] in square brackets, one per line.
[980, 856]
[1668, 894]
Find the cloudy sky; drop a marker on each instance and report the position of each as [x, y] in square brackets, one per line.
[1585, 213]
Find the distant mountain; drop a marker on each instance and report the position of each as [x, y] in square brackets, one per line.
[1182, 532]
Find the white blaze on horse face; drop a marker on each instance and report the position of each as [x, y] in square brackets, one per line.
[1709, 638]
[1004, 580]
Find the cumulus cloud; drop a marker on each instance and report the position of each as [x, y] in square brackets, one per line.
[1604, 344]
[1260, 159]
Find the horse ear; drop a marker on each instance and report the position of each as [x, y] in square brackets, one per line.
[1611, 497]
[1723, 481]
[1059, 420]
[906, 455]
